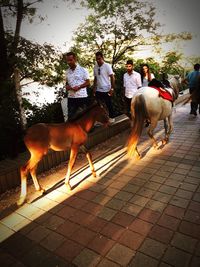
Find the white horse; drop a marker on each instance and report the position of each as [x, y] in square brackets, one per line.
[148, 105]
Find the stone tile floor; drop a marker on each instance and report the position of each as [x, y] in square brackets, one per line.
[136, 213]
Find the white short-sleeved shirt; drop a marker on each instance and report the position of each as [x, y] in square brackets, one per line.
[131, 83]
[77, 77]
[102, 74]
[145, 80]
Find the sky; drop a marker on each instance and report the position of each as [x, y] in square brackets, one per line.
[62, 18]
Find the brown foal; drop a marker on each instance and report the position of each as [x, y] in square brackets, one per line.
[59, 136]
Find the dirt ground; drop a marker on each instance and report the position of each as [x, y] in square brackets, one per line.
[48, 178]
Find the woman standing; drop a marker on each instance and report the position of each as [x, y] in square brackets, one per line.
[146, 75]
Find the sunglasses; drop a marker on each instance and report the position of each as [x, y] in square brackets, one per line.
[99, 71]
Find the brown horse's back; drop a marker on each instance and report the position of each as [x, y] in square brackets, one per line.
[65, 135]
[40, 137]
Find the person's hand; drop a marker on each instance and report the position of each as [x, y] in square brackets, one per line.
[76, 88]
[68, 87]
[110, 93]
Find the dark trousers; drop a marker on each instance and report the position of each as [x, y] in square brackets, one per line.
[128, 106]
[105, 98]
[194, 105]
[75, 105]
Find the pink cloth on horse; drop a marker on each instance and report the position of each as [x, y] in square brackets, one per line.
[164, 94]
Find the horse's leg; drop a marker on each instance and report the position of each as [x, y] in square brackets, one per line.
[31, 167]
[150, 132]
[72, 158]
[89, 157]
[170, 128]
[35, 180]
[23, 173]
[138, 154]
[164, 141]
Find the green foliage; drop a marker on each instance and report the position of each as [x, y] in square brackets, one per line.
[116, 30]
[35, 62]
[171, 64]
[118, 97]
[38, 63]
[48, 113]
[10, 134]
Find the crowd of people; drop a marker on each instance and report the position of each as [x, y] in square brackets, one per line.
[77, 81]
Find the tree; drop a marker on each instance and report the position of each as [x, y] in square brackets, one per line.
[117, 32]
[119, 28]
[171, 63]
[20, 59]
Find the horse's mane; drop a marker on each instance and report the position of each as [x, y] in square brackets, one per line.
[81, 113]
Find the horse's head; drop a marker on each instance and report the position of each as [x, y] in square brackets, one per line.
[102, 115]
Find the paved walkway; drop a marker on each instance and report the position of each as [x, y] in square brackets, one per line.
[137, 213]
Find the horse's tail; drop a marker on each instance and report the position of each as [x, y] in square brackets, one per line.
[141, 114]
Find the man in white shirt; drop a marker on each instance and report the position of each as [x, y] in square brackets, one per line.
[77, 81]
[131, 82]
[104, 82]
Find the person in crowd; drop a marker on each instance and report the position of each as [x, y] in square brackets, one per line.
[104, 83]
[77, 81]
[131, 83]
[192, 81]
[146, 75]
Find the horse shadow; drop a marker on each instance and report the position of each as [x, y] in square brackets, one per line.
[110, 163]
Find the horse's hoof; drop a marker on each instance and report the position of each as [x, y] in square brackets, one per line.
[94, 174]
[21, 201]
[164, 142]
[155, 146]
[42, 191]
[68, 186]
[138, 157]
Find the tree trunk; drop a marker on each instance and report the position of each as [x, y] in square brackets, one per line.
[4, 67]
[18, 90]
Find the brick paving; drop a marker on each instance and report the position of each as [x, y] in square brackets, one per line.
[136, 213]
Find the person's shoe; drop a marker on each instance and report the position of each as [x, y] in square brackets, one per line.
[111, 120]
[193, 112]
[147, 123]
[97, 124]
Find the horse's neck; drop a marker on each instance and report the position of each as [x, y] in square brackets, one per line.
[87, 123]
[172, 93]
[170, 90]
[175, 85]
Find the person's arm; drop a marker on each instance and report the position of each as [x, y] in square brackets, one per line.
[124, 85]
[112, 80]
[185, 81]
[68, 87]
[139, 81]
[83, 85]
[152, 76]
[86, 83]
[94, 85]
